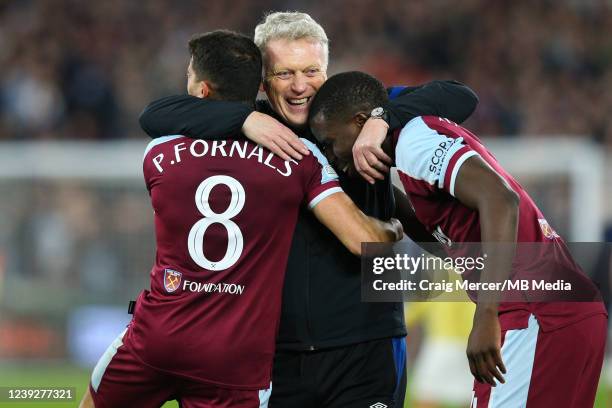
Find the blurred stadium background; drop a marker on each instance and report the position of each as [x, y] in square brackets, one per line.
[76, 232]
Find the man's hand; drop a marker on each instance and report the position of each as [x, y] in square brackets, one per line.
[398, 228]
[273, 135]
[370, 159]
[484, 347]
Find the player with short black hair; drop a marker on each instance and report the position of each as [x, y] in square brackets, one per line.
[230, 63]
[348, 92]
[521, 353]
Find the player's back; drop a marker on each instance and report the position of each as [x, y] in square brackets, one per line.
[429, 152]
[225, 212]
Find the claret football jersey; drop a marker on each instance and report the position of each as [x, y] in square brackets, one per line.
[225, 212]
[429, 152]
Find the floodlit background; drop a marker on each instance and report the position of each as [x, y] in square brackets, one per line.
[76, 231]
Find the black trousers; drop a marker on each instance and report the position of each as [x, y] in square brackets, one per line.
[355, 376]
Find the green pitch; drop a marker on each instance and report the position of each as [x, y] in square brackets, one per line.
[68, 376]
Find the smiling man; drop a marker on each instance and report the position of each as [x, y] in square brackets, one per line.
[294, 71]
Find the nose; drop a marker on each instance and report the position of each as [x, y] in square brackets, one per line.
[299, 83]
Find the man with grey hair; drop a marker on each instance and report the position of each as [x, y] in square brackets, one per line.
[332, 349]
[291, 26]
[295, 49]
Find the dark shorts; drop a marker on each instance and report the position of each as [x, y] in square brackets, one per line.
[559, 368]
[355, 376]
[120, 380]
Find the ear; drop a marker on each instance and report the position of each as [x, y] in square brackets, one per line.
[262, 86]
[205, 89]
[360, 118]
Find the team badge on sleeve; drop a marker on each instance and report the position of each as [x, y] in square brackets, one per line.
[547, 229]
[329, 171]
[172, 280]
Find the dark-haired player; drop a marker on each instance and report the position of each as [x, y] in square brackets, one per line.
[552, 352]
[225, 212]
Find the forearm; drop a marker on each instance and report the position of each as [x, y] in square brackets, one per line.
[499, 225]
[449, 99]
[351, 226]
[194, 117]
[368, 229]
[405, 214]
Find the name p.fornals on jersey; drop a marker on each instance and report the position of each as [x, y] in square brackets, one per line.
[220, 148]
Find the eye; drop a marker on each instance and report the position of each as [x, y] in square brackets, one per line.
[284, 75]
[312, 72]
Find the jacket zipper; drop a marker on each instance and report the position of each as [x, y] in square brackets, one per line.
[310, 346]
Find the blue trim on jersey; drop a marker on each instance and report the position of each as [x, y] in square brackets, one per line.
[158, 141]
[395, 91]
[323, 195]
[327, 173]
[399, 356]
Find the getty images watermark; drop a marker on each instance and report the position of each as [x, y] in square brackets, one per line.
[541, 272]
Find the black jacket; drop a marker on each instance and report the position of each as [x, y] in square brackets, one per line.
[321, 305]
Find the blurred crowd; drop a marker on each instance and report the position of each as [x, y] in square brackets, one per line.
[84, 242]
[84, 70]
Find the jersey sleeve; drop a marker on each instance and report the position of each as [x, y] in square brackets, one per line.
[424, 154]
[151, 160]
[321, 179]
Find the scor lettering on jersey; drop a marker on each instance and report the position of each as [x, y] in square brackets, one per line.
[439, 155]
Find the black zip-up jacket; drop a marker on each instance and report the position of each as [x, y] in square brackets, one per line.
[321, 305]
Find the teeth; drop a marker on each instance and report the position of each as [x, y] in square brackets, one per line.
[298, 101]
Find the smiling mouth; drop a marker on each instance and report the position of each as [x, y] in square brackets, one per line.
[298, 102]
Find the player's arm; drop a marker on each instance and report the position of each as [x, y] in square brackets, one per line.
[334, 209]
[202, 118]
[194, 117]
[448, 99]
[412, 226]
[87, 401]
[481, 188]
[351, 226]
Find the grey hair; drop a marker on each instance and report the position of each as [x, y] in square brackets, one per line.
[290, 26]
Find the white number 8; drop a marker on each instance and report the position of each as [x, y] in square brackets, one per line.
[235, 241]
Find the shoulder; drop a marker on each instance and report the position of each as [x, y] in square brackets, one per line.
[159, 141]
[318, 160]
[427, 148]
[317, 154]
[426, 132]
